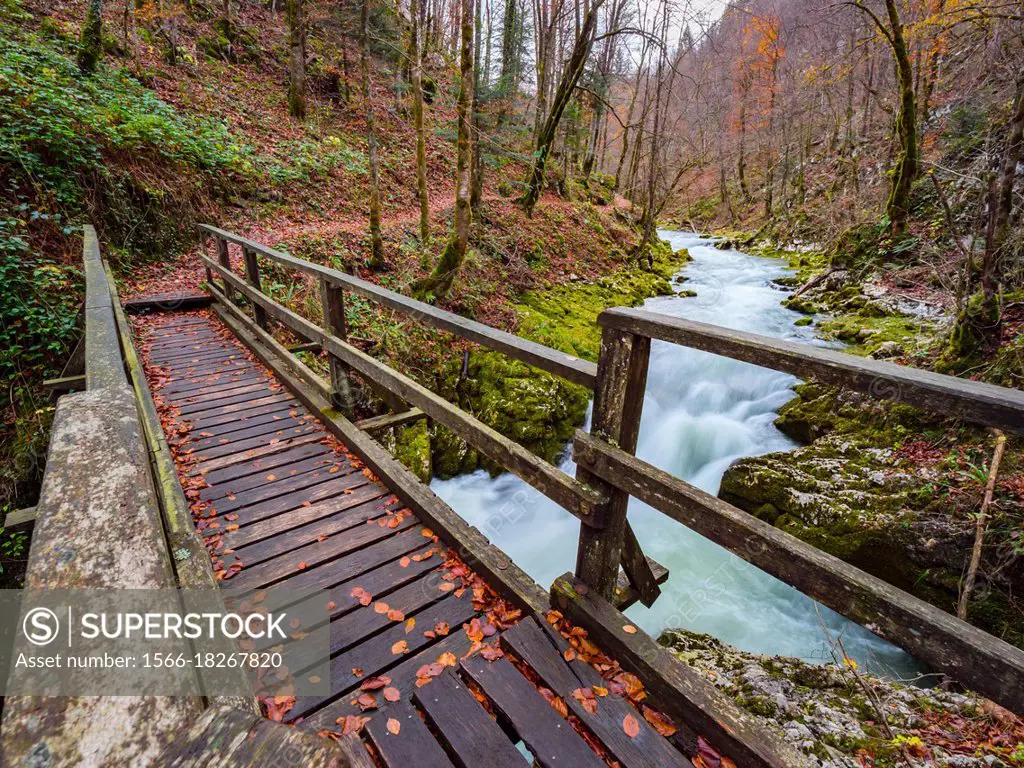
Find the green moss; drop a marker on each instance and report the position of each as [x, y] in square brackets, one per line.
[565, 317]
[537, 410]
[412, 448]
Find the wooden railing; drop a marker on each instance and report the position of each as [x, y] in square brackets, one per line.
[608, 473]
[574, 495]
[605, 460]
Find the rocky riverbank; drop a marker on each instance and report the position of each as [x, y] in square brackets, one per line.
[846, 719]
[888, 488]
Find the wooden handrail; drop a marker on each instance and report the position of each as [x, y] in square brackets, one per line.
[579, 499]
[989, 665]
[972, 401]
[558, 363]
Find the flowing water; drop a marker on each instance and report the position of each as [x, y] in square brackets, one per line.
[701, 412]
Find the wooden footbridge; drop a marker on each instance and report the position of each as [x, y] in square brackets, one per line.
[204, 451]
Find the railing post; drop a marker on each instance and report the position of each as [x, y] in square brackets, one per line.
[225, 261]
[206, 254]
[252, 276]
[618, 404]
[333, 300]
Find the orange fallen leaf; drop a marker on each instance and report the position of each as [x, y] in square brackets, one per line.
[394, 726]
[629, 629]
[392, 694]
[631, 726]
[409, 624]
[399, 648]
[380, 607]
[404, 562]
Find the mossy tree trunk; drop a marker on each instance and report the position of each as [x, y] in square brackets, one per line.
[296, 60]
[566, 87]
[476, 186]
[908, 160]
[439, 282]
[415, 55]
[90, 50]
[376, 241]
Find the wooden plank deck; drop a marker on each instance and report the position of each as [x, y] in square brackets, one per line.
[423, 671]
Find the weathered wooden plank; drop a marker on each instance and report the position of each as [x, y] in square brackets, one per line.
[20, 516]
[298, 539]
[545, 358]
[618, 403]
[976, 658]
[389, 420]
[245, 443]
[403, 677]
[374, 656]
[510, 581]
[412, 745]
[65, 384]
[576, 497]
[312, 555]
[472, 737]
[536, 648]
[551, 739]
[219, 400]
[947, 395]
[288, 502]
[625, 595]
[309, 484]
[334, 572]
[216, 387]
[303, 517]
[223, 737]
[277, 406]
[253, 453]
[252, 275]
[269, 429]
[308, 451]
[167, 301]
[359, 624]
[679, 690]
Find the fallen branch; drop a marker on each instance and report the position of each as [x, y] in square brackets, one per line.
[979, 526]
[815, 281]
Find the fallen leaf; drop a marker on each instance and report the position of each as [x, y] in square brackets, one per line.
[629, 629]
[661, 723]
[313, 678]
[396, 615]
[380, 607]
[631, 726]
[392, 694]
[409, 624]
[400, 647]
[394, 726]
[404, 562]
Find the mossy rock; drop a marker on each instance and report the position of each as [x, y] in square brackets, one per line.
[539, 411]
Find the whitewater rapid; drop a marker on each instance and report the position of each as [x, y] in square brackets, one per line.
[701, 413]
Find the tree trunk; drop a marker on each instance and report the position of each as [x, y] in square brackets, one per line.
[566, 87]
[908, 159]
[90, 50]
[376, 242]
[296, 61]
[417, 115]
[439, 282]
[476, 186]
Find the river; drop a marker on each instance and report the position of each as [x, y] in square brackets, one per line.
[701, 412]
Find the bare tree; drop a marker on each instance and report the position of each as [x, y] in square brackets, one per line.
[376, 242]
[296, 60]
[439, 282]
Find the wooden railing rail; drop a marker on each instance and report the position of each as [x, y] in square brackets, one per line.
[972, 401]
[605, 460]
[558, 363]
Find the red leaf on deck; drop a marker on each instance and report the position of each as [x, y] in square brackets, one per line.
[631, 726]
